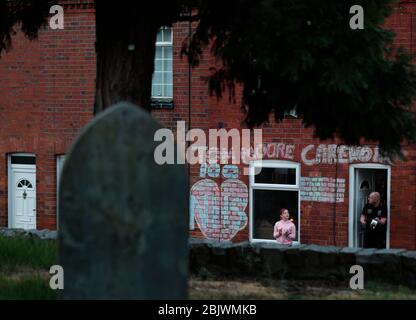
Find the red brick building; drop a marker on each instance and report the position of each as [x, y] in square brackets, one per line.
[47, 95]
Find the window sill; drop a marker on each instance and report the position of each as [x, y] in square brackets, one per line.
[162, 104]
[273, 242]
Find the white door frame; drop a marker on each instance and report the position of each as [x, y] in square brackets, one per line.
[10, 183]
[352, 198]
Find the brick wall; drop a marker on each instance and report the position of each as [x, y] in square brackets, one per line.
[322, 162]
[47, 94]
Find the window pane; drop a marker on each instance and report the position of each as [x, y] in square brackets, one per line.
[167, 78]
[159, 36]
[169, 91]
[167, 65]
[159, 52]
[25, 183]
[167, 52]
[267, 205]
[276, 176]
[158, 65]
[157, 77]
[156, 90]
[23, 160]
[167, 35]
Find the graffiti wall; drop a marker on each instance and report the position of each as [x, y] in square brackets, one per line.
[219, 200]
[322, 189]
[219, 210]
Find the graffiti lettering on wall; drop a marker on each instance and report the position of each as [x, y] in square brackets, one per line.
[215, 155]
[310, 155]
[272, 150]
[322, 189]
[332, 153]
[214, 170]
[219, 211]
[313, 155]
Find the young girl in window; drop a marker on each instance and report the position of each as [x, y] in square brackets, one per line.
[284, 230]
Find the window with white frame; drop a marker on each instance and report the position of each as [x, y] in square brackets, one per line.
[162, 83]
[60, 160]
[275, 186]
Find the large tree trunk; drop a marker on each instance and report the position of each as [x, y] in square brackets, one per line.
[126, 36]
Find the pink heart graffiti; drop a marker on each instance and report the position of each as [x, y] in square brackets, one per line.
[219, 213]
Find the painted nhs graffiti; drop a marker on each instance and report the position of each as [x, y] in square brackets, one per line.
[219, 210]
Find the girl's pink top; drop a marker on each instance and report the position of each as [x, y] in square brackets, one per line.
[287, 234]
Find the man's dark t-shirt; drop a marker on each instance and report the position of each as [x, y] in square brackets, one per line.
[374, 237]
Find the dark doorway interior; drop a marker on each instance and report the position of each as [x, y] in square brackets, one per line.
[367, 181]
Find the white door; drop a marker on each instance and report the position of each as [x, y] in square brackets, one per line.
[23, 215]
[364, 185]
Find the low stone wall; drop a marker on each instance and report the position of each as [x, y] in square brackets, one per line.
[302, 262]
[397, 266]
[41, 234]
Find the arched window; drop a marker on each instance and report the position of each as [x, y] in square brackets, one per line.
[24, 183]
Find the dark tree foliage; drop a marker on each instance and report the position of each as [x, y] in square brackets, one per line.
[304, 55]
[287, 54]
[30, 14]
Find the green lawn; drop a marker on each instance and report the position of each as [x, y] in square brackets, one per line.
[25, 287]
[25, 263]
[27, 252]
[24, 268]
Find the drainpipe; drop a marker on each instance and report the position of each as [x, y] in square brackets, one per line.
[334, 215]
[189, 113]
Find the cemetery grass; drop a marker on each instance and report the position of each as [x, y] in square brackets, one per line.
[24, 268]
[25, 263]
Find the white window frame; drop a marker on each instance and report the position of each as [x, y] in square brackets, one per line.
[277, 187]
[164, 44]
[60, 160]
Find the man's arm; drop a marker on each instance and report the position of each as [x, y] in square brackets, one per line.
[363, 219]
[383, 218]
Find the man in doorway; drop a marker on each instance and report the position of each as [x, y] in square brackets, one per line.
[374, 218]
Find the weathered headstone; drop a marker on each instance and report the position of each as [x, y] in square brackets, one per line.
[123, 218]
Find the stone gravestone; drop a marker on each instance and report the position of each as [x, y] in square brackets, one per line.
[123, 218]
